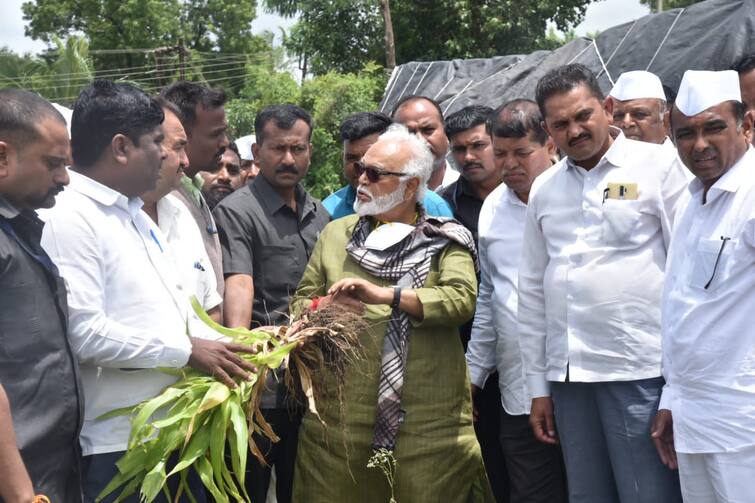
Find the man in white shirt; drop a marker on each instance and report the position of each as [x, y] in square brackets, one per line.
[522, 151]
[127, 314]
[593, 255]
[709, 298]
[638, 105]
[184, 241]
[422, 116]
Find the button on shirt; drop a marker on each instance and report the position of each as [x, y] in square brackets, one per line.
[38, 369]
[126, 313]
[591, 275]
[495, 336]
[708, 306]
[186, 249]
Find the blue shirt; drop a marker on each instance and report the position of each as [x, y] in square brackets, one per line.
[341, 203]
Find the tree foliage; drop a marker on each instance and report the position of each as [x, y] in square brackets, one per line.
[342, 35]
[203, 25]
[58, 76]
[668, 4]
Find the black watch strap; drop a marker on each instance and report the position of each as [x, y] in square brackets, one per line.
[396, 297]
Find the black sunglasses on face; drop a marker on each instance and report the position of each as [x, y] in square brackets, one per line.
[373, 173]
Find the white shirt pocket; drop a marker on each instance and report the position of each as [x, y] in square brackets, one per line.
[711, 265]
[620, 220]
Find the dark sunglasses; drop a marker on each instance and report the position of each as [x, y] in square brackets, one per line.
[373, 173]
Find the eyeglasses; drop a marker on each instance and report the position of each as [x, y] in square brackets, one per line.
[373, 173]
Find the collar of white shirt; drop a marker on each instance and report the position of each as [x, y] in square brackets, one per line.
[616, 155]
[739, 176]
[104, 194]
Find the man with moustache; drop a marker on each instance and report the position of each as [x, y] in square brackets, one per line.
[522, 151]
[595, 241]
[268, 230]
[223, 178]
[422, 116]
[706, 421]
[638, 107]
[128, 316]
[41, 402]
[202, 115]
[184, 241]
[358, 132]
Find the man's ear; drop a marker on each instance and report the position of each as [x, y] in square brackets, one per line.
[7, 154]
[550, 146]
[748, 124]
[667, 121]
[608, 106]
[545, 127]
[120, 145]
[412, 186]
[255, 150]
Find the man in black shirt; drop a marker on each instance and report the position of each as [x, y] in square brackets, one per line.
[40, 395]
[267, 232]
[472, 151]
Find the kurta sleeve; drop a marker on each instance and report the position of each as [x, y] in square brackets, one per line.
[451, 300]
[313, 282]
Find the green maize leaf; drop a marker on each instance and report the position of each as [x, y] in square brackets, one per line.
[134, 461]
[114, 484]
[218, 429]
[205, 473]
[217, 394]
[152, 406]
[128, 491]
[117, 412]
[183, 409]
[231, 486]
[239, 437]
[274, 358]
[153, 482]
[234, 333]
[196, 447]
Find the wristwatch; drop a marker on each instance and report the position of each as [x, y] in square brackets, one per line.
[396, 297]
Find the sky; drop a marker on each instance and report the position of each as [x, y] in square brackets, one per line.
[600, 16]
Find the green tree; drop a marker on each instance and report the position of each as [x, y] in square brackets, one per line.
[342, 35]
[668, 4]
[209, 27]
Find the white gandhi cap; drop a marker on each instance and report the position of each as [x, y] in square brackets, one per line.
[701, 90]
[638, 85]
[244, 144]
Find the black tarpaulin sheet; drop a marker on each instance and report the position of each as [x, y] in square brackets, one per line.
[710, 35]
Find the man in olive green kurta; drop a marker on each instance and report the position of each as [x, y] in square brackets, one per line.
[436, 449]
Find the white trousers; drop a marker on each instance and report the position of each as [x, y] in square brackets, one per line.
[721, 477]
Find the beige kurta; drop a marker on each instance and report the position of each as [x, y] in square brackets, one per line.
[437, 452]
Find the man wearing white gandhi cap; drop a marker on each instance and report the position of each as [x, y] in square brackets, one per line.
[638, 107]
[709, 297]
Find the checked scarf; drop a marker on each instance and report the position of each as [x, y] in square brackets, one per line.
[405, 264]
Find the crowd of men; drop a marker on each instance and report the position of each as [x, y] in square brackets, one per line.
[609, 357]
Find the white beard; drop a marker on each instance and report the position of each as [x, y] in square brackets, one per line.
[381, 204]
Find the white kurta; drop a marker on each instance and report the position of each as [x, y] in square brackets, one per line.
[708, 310]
